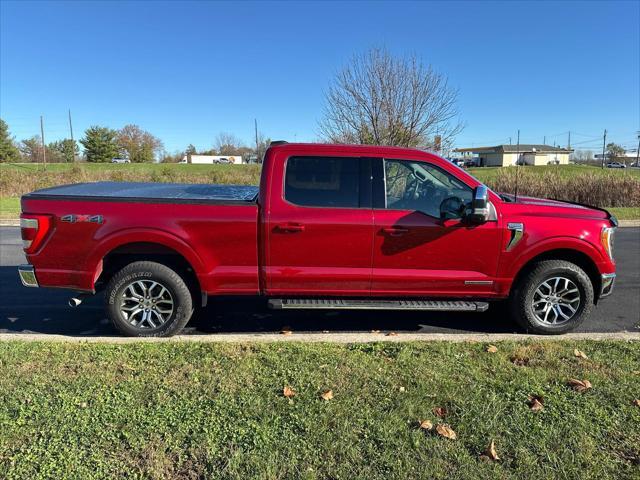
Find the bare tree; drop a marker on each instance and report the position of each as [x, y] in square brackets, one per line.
[383, 100]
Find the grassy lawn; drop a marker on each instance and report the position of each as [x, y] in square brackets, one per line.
[190, 410]
[600, 186]
[486, 174]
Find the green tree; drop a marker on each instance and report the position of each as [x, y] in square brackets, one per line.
[31, 149]
[139, 145]
[8, 150]
[615, 151]
[100, 144]
[62, 150]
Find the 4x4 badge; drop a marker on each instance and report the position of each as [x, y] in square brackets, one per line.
[82, 218]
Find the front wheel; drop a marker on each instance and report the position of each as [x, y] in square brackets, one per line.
[148, 299]
[553, 298]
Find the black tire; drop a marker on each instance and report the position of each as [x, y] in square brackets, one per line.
[522, 297]
[177, 298]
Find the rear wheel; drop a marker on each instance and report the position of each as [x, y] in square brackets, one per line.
[148, 299]
[553, 298]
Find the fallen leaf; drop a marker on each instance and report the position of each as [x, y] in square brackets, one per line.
[535, 403]
[579, 385]
[288, 392]
[440, 411]
[426, 425]
[636, 372]
[326, 395]
[492, 349]
[580, 354]
[491, 452]
[636, 402]
[82, 404]
[391, 334]
[402, 389]
[446, 431]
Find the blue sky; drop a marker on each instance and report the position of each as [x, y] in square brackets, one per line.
[188, 70]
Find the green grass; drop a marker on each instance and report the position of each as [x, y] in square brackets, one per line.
[17, 179]
[487, 174]
[198, 410]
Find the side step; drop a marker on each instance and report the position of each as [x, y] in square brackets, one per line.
[338, 304]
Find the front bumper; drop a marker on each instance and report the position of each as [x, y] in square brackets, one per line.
[28, 276]
[608, 279]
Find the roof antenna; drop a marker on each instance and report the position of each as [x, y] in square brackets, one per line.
[515, 199]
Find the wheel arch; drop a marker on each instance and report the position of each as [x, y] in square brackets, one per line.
[115, 253]
[577, 257]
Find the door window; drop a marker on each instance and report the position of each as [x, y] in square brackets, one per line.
[323, 181]
[421, 186]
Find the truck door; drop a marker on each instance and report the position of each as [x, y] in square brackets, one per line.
[417, 253]
[320, 227]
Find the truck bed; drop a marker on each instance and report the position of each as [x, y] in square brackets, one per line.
[151, 193]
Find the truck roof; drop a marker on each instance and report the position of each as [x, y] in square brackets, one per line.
[364, 149]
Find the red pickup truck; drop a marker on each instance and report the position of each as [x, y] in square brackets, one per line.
[330, 227]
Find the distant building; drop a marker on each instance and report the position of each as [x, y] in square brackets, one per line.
[506, 155]
[211, 159]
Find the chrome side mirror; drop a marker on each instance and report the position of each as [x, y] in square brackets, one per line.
[480, 205]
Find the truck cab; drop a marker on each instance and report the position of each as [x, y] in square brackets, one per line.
[330, 227]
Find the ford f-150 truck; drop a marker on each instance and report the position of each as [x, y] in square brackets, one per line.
[330, 227]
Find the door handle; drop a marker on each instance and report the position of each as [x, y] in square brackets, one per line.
[290, 228]
[395, 231]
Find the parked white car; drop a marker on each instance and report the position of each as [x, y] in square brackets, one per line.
[120, 160]
[616, 165]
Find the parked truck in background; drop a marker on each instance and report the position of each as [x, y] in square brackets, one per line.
[330, 227]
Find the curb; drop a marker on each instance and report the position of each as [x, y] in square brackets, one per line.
[326, 337]
[15, 222]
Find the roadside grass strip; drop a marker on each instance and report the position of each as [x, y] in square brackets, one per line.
[534, 409]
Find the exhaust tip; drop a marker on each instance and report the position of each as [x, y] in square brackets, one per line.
[74, 301]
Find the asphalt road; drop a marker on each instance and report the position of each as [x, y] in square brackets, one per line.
[36, 310]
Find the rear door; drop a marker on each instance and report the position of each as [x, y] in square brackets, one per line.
[417, 253]
[320, 227]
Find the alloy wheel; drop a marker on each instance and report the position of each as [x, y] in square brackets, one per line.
[556, 300]
[146, 304]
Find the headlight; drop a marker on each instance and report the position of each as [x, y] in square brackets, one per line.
[606, 238]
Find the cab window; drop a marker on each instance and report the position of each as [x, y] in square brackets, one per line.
[323, 181]
[421, 186]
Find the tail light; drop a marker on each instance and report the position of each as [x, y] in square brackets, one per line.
[34, 230]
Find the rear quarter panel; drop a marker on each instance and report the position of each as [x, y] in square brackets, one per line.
[219, 241]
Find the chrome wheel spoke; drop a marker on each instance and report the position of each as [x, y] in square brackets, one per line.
[146, 304]
[556, 300]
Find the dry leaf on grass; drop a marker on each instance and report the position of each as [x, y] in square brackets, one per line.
[579, 385]
[82, 404]
[636, 402]
[491, 452]
[440, 412]
[288, 392]
[536, 403]
[326, 395]
[580, 354]
[426, 425]
[492, 349]
[446, 431]
[401, 389]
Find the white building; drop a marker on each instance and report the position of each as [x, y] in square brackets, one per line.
[524, 154]
[211, 159]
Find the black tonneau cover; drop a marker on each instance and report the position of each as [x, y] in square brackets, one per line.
[151, 193]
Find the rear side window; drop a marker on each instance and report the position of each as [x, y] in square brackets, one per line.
[323, 181]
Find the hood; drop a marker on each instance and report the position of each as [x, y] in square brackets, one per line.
[557, 208]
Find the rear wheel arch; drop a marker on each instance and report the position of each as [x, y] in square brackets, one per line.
[127, 253]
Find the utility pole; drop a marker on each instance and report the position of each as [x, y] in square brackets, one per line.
[638, 151]
[518, 166]
[255, 124]
[73, 144]
[544, 140]
[569, 141]
[44, 149]
[604, 143]
[509, 140]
